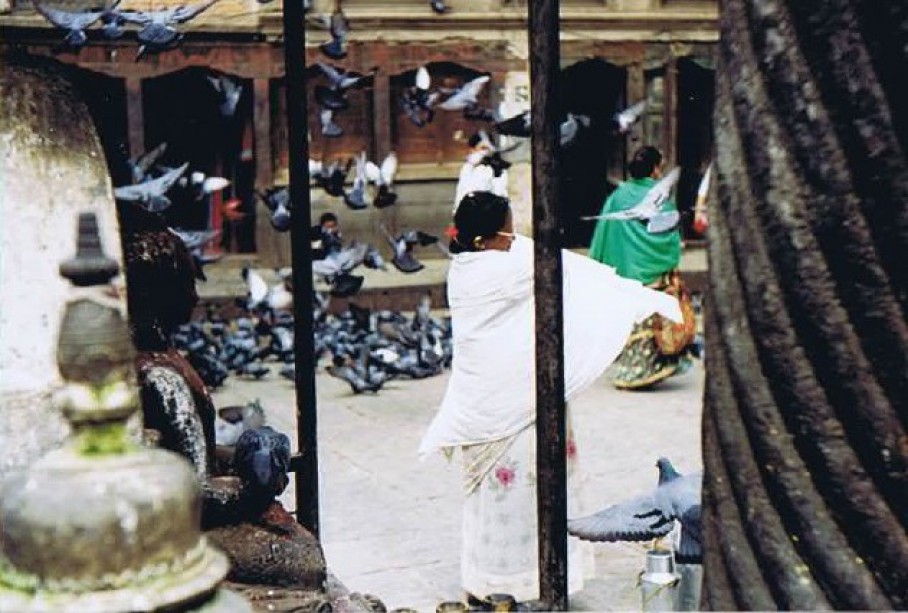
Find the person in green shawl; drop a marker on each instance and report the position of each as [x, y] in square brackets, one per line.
[652, 259]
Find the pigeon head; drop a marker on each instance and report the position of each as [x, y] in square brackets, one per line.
[667, 471]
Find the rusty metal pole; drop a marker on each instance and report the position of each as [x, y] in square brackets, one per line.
[306, 469]
[547, 231]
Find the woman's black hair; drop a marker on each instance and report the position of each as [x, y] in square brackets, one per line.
[326, 217]
[479, 215]
[644, 162]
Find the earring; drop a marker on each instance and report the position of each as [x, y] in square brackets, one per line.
[477, 243]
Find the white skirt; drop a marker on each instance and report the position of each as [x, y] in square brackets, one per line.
[500, 549]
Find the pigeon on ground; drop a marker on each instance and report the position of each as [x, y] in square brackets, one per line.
[151, 193]
[628, 117]
[76, 22]
[652, 515]
[438, 6]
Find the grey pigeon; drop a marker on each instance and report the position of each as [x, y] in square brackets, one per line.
[158, 33]
[76, 22]
[652, 515]
[650, 208]
[151, 193]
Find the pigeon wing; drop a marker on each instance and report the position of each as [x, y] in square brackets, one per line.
[373, 172]
[185, 13]
[388, 169]
[639, 519]
[423, 80]
[67, 19]
[258, 289]
[154, 187]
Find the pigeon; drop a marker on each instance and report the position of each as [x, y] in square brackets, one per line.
[230, 91]
[438, 7]
[383, 178]
[141, 166]
[232, 421]
[195, 241]
[571, 127]
[151, 193]
[76, 22]
[200, 185]
[277, 201]
[257, 289]
[333, 177]
[701, 219]
[403, 259]
[355, 198]
[346, 284]
[357, 383]
[158, 33]
[652, 515]
[329, 127]
[113, 21]
[330, 99]
[518, 125]
[649, 208]
[466, 96]
[338, 26]
[342, 79]
[262, 460]
[628, 117]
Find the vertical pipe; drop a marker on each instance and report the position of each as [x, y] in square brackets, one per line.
[547, 228]
[295, 71]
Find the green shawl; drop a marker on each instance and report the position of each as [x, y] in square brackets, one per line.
[626, 245]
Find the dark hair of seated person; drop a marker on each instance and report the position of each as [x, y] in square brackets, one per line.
[644, 162]
[160, 277]
[479, 215]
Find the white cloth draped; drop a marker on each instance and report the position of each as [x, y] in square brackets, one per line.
[491, 393]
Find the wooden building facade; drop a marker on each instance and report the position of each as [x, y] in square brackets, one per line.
[614, 53]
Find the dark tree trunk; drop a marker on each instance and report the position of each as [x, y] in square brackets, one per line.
[806, 407]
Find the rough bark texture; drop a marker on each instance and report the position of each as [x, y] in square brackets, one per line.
[805, 448]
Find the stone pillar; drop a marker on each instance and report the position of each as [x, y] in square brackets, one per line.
[520, 174]
[53, 167]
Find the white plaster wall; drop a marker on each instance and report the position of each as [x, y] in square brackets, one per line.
[52, 168]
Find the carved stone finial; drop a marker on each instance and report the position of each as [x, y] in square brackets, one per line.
[90, 266]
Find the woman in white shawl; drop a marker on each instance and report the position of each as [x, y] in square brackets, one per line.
[489, 408]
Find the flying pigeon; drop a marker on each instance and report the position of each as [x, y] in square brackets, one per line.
[649, 208]
[338, 26]
[652, 515]
[329, 127]
[195, 241]
[113, 21]
[158, 33]
[466, 96]
[230, 91]
[342, 79]
[628, 117]
[140, 166]
[277, 200]
[571, 127]
[383, 178]
[355, 198]
[518, 125]
[150, 193]
[257, 289]
[76, 22]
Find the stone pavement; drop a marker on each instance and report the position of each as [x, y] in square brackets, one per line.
[390, 523]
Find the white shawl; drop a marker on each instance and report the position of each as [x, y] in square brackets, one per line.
[492, 390]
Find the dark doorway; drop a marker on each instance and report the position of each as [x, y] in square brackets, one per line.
[696, 90]
[183, 109]
[595, 89]
[105, 97]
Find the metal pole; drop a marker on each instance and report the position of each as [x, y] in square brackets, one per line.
[295, 69]
[547, 230]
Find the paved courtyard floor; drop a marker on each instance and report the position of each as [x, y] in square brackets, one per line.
[390, 523]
